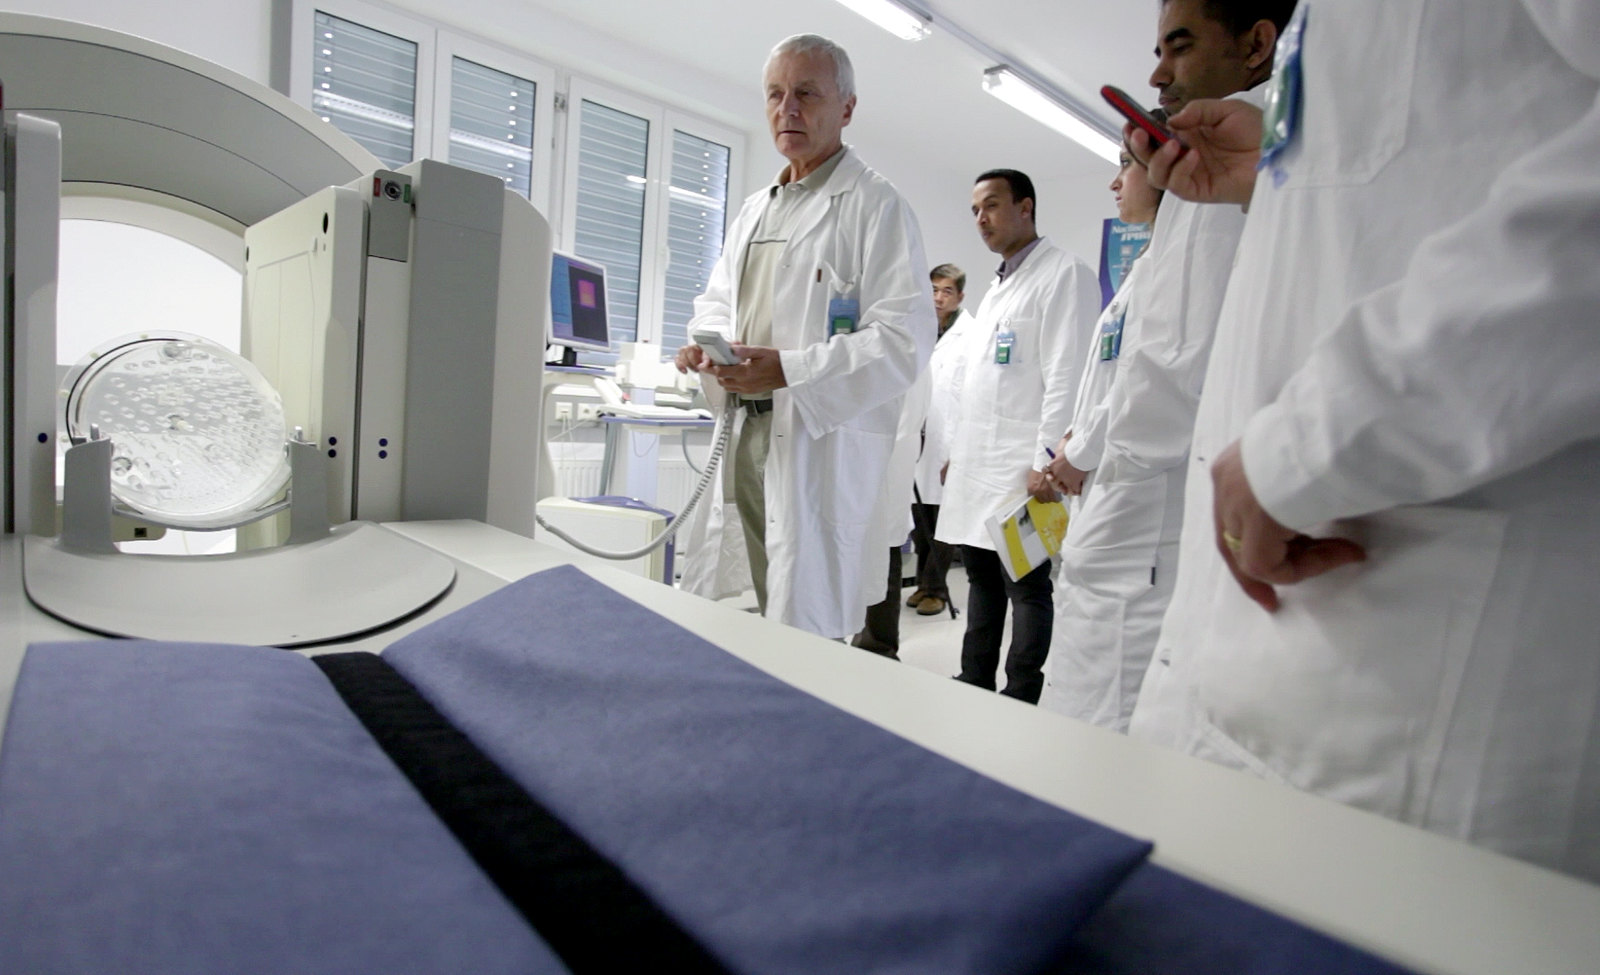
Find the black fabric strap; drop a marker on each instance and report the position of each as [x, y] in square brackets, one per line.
[583, 906]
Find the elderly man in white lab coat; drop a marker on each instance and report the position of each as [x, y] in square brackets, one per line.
[821, 290]
[1388, 592]
[1021, 378]
[1120, 558]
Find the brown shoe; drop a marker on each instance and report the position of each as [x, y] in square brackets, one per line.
[916, 598]
[930, 606]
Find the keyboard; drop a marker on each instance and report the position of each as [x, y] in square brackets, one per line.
[642, 411]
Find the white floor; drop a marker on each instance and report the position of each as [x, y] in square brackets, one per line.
[934, 642]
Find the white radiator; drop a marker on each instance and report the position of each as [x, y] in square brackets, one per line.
[578, 476]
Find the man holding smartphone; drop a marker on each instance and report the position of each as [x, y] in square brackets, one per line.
[1390, 599]
[1106, 628]
[820, 290]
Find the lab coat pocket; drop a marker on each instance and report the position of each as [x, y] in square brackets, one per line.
[1087, 674]
[1356, 112]
[1018, 386]
[1348, 690]
[845, 477]
[1111, 542]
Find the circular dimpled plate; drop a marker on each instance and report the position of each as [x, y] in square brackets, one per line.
[197, 433]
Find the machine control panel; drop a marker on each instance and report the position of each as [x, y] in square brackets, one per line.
[389, 216]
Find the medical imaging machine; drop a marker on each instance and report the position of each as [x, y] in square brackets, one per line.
[386, 462]
[392, 328]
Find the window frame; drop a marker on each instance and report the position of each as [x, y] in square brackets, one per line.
[302, 21]
[558, 100]
[452, 45]
[580, 90]
[733, 141]
[664, 120]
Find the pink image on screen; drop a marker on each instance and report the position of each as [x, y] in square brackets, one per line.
[586, 295]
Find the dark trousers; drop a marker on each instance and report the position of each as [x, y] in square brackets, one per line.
[933, 556]
[1033, 617]
[881, 635]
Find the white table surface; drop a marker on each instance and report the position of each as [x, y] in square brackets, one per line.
[1424, 901]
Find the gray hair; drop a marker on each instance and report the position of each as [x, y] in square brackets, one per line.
[808, 43]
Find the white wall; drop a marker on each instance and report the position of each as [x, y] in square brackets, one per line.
[235, 34]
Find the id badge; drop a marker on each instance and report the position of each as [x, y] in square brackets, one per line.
[844, 315]
[1281, 118]
[1111, 336]
[1003, 342]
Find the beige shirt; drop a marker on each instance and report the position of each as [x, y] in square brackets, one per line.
[778, 223]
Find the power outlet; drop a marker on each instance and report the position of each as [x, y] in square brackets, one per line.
[588, 411]
[564, 412]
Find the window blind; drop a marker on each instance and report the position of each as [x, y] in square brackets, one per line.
[613, 149]
[491, 123]
[697, 212]
[365, 84]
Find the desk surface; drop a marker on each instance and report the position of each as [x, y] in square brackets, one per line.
[657, 421]
[1433, 904]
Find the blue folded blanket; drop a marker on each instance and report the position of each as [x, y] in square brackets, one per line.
[185, 808]
[783, 833]
[173, 808]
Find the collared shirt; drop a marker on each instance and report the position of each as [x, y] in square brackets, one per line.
[1009, 266]
[785, 198]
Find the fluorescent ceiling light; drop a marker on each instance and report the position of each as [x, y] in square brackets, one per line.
[1007, 86]
[908, 25]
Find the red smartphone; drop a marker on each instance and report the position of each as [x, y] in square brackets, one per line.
[1130, 110]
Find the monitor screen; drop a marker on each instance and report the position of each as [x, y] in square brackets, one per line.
[578, 304]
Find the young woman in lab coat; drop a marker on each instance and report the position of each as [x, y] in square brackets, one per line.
[1108, 611]
[1408, 361]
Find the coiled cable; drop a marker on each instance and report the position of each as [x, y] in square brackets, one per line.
[719, 446]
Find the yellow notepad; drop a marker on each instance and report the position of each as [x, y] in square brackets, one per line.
[1026, 533]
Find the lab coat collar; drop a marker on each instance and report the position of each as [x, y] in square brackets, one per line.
[847, 169]
[846, 174]
[1009, 266]
[812, 181]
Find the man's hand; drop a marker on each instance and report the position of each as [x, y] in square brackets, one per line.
[1216, 160]
[690, 358]
[760, 372]
[1260, 552]
[1039, 487]
[1060, 472]
[1064, 476]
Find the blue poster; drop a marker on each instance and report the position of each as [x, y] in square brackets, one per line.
[1120, 243]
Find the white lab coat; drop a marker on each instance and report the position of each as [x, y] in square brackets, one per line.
[1010, 413]
[945, 371]
[901, 478]
[830, 518]
[1409, 352]
[1120, 556]
[1090, 409]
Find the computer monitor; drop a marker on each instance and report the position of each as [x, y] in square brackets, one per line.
[578, 306]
